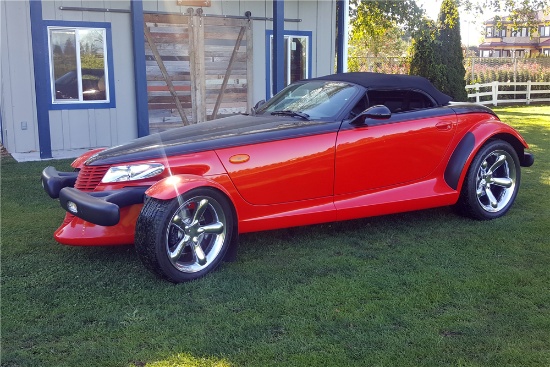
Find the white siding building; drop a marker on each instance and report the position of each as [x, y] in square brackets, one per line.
[84, 74]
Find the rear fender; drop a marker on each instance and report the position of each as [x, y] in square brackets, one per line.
[173, 186]
[472, 142]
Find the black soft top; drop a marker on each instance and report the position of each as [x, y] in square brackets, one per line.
[390, 81]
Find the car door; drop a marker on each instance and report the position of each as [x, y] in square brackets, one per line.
[285, 170]
[382, 153]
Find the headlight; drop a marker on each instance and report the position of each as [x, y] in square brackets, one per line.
[132, 172]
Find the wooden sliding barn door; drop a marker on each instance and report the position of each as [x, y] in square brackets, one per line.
[198, 68]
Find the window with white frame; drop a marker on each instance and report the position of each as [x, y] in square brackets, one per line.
[544, 31]
[546, 51]
[521, 32]
[296, 58]
[78, 65]
[489, 32]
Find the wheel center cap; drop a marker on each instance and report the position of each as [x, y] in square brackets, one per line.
[193, 230]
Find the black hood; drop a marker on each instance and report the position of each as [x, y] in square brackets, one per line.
[222, 133]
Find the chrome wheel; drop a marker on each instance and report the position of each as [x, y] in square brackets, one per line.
[496, 181]
[187, 237]
[195, 234]
[491, 183]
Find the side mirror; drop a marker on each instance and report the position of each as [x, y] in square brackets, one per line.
[379, 112]
[256, 106]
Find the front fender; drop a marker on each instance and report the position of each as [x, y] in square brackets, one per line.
[79, 162]
[470, 144]
[173, 186]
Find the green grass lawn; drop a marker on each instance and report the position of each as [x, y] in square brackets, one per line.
[426, 288]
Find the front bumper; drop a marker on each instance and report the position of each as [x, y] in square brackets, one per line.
[527, 160]
[101, 207]
[96, 207]
[53, 181]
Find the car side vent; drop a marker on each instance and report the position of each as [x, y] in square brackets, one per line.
[89, 177]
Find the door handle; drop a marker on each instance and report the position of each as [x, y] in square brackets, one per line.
[444, 125]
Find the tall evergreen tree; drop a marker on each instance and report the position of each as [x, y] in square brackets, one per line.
[425, 58]
[450, 51]
[436, 52]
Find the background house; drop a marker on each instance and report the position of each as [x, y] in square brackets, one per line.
[84, 74]
[506, 42]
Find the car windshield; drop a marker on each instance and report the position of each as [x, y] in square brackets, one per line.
[312, 100]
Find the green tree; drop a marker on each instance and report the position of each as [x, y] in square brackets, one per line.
[521, 13]
[69, 49]
[378, 27]
[384, 44]
[57, 50]
[436, 52]
[424, 53]
[450, 51]
[387, 41]
[372, 15]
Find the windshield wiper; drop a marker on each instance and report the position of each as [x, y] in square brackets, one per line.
[305, 116]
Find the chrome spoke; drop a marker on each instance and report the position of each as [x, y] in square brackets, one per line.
[480, 191]
[213, 228]
[178, 227]
[201, 208]
[504, 182]
[177, 222]
[481, 185]
[174, 255]
[499, 162]
[491, 197]
[199, 253]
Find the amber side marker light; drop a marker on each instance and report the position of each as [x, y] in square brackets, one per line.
[239, 158]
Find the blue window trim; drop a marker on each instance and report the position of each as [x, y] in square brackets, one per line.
[140, 73]
[268, 34]
[1, 127]
[341, 9]
[277, 57]
[110, 66]
[40, 62]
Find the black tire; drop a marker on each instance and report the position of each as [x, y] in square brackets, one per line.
[492, 182]
[187, 237]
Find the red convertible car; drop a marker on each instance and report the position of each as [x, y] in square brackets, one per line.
[327, 149]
